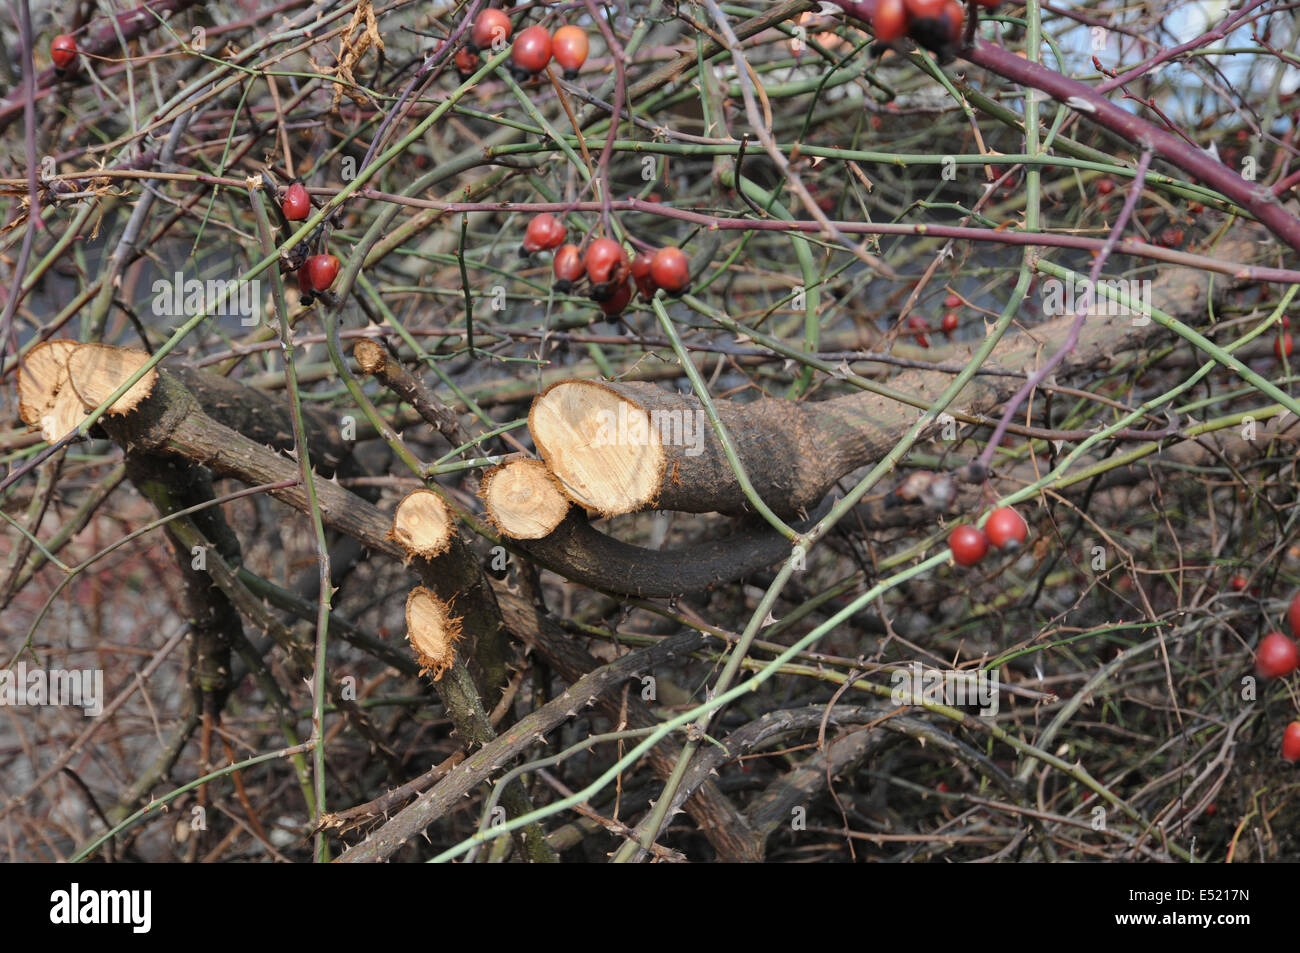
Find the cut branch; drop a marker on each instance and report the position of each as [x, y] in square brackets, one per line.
[44, 398]
[585, 555]
[432, 631]
[523, 499]
[423, 525]
[97, 370]
[623, 447]
[377, 362]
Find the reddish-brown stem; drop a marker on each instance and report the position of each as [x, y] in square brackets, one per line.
[1088, 102]
[1003, 237]
[1256, 199]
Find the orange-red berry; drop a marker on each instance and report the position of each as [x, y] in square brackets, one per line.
[531, 51]
[1276, 656]
[491, 29]
[304, 286]
[466, 61]
[670, 269]
[321, 271]
[606, 266]
[924, 9]
[296, 203]
[618, 299]
[889, 22]
[570, 46]
[1005, 528]
[544, 231]
[63, 50]
[1291, 742]
[918, 327]
[640, 270]
[955, 15]
[568, 267]
[969, 545]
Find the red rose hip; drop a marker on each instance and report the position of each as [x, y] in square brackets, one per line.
[640, 269]
[321, 271]
[955, 15]
[1291, 742]
[544, 231]
[618, 299]
[63, 50]
[296, 204]
[466, 61]
[889, 22]
[670, 269]
[918, 326]
[570, 46]
[305, 295]
[491, 29]
[531, 51]
[924, 9]
[568, 267]
[1276, 656]
[1005, 528]
[606, 266]
[969, 545]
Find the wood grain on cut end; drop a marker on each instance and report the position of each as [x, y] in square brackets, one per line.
[44, 398]
[96, 371]
[599, 444]
[423, 524]
[523, 499]
[371, 356]
[432, 631]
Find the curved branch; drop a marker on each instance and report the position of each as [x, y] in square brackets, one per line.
[1256, 198]
[579, 552]
[1089, 103]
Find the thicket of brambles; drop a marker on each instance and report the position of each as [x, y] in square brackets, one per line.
[651, 431]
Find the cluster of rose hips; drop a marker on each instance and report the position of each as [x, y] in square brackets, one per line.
[1278, 656]
[532, 49]
[611, 277]
[1171, 237]
[1005, 529]
[919, 328]
[63, 50]
[935, 25]
[317, 272]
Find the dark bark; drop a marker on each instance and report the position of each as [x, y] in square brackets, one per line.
[715, 815]
[585, 555]
[450, 792]
[172, 485]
